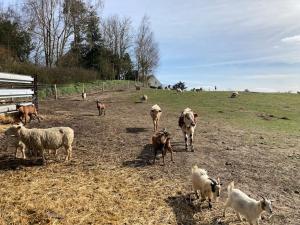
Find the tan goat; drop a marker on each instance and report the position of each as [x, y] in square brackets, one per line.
[155, 113]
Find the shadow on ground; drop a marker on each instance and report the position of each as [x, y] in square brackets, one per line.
[12, 163]
[144, 159]
[183, 209]
[136, 130]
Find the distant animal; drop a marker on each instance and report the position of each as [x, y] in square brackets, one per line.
[144, 98]
[161, 141]
[83, 95]
[101, 107]
[179, 90]
[199, 89]
[248, 207]
[40, 139]
[137, 88]
[187, 123]
[209, 188]
[26, 111]
[234, 94]
[155, 114]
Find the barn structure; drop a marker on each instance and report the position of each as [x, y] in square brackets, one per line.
[16, 90]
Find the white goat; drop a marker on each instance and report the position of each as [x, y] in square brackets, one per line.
[41, 139]
[209, 188]
[246, 206]
[155, 114]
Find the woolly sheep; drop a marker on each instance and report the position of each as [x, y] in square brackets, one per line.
[41, 139]
[209, 188]
[155, 114]
[234, 94]
[246, 206]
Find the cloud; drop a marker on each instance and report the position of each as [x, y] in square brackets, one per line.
[293, 39]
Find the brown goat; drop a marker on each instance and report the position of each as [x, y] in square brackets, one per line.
[162, 141]
[101, 108]
[28, 110]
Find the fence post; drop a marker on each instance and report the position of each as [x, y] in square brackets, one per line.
[35, 92]
[102, 86]
[55, 92]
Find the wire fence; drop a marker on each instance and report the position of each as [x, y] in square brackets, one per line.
[56, 91]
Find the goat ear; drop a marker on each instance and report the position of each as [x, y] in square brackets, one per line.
[219, 182]
[195, 115]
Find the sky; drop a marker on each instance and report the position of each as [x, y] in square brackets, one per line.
[233, 44]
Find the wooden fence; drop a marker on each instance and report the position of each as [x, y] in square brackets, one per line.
[17, 90]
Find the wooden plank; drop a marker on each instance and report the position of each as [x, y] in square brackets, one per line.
[7, 108]
[15, 78]
[7, 93]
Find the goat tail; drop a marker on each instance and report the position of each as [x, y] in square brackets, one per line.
[230, 187]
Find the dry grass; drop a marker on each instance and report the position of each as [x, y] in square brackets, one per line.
[58, 194]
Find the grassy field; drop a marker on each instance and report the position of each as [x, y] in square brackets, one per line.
[273, 112]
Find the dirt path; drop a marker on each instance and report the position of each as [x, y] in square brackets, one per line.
[260, 164]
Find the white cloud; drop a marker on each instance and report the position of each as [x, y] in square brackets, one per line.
[293, 39]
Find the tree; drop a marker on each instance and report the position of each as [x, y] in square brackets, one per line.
[117, 38]
[50, 25]
[180, 85]
[13, 37]
[146, 49]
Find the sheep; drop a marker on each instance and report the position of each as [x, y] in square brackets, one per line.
[12, 141]
[101, 107]
[27, 110]
[209, 188]
[144, 98]
[155, 114]
[234, 94]
[41, 139]
[246, 206]
[162, 141]
[187, 123]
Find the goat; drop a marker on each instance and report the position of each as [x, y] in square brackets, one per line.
[27, 110]
[155, 114]
[83, 95]
[162, 141]
[187, 123]
[209, 188]
[41, 139]
[144, 98]
[246, 206]
[101, 107]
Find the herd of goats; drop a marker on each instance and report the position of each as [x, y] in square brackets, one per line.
[36, 141]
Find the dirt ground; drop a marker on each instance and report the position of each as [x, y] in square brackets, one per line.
[111, 179]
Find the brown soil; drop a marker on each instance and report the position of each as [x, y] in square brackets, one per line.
[111, 179]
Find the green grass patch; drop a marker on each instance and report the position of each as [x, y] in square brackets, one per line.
[276, 112]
